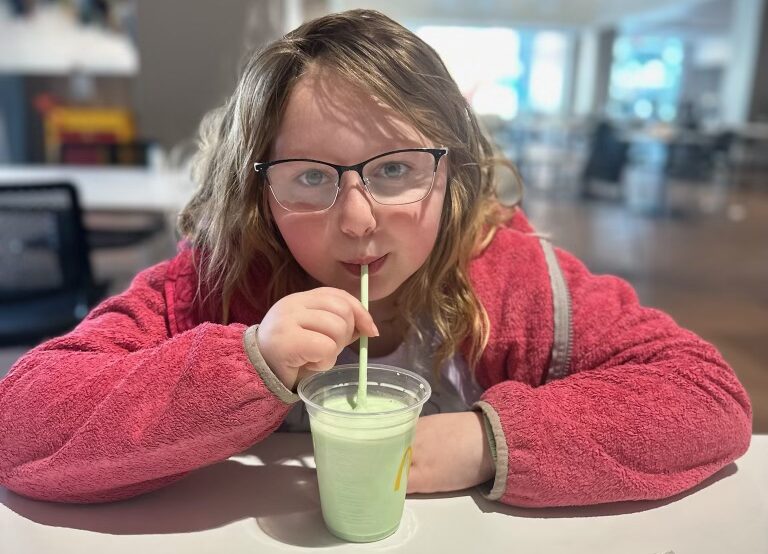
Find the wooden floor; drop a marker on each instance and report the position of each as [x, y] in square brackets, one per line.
[708, 270]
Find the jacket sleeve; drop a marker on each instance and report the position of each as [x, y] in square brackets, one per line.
[117, 407]
[648, 410]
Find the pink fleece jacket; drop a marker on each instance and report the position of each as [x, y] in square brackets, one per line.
[145, 390]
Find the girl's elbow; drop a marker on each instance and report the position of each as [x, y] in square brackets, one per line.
[741, 421]
[743, 426]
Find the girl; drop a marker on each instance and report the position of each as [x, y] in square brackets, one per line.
[345, 143]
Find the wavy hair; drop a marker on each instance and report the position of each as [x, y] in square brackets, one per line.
[228, 218]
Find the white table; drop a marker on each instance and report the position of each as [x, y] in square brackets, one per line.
[111, 188]
[265, 500]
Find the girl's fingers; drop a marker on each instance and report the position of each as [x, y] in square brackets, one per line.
[318, 352]
[316, 367]
[345, 305]
[330, 324]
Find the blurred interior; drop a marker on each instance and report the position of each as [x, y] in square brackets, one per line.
[640, 129]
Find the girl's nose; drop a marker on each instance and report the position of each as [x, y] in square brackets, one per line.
[355, 207]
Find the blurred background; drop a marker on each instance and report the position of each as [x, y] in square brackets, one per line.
[640, 128]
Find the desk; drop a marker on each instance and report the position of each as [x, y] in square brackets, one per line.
[265, 500]
[111, 188]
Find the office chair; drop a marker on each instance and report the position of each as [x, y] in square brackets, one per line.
[46, 284]
[606, 160]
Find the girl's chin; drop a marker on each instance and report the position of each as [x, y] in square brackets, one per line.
[373, 295]
[377, 288]
[375, 291]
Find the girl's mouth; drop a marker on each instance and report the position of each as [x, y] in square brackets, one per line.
[373, 266]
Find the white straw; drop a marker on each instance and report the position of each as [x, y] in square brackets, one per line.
[362, 383]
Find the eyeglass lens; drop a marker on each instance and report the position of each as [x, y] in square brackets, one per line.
[397, 178]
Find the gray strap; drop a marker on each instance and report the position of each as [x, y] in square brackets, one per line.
[561, 301]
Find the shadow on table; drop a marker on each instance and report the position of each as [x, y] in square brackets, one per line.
[600, 510]
[282, 499]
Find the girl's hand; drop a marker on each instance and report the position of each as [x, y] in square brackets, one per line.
[304, 332]
[450, 452]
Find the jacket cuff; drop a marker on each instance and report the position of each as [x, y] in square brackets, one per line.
[257, 360]
[498, 444]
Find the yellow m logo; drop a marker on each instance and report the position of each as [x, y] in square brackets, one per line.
[407, 455]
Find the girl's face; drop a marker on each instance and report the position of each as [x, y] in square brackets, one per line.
[327, 119]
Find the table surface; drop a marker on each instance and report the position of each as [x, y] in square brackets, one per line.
[265, 500]
[111, 188]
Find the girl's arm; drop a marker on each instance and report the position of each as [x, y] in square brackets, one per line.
[649, 409]
[117, 408]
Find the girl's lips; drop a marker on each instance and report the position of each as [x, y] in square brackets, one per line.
[373, 266]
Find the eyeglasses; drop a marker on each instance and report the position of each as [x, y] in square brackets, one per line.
[398, 177]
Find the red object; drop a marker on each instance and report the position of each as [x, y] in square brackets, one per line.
[80, 148]
[45, 102]
[144, 391]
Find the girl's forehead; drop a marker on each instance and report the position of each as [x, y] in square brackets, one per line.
[329, 118]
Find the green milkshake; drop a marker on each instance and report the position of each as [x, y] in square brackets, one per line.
[363, 453]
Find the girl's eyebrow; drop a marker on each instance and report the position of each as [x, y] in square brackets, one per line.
[398, 145]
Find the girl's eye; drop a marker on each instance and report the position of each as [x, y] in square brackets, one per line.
[393, 170]
[313, 178]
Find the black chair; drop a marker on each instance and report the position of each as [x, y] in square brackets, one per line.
[46, 283]
[106, 229]
[606, 160]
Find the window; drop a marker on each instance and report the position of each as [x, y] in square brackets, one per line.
[503, 71]
[646, 77]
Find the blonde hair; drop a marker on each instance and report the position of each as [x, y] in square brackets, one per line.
[378, 55]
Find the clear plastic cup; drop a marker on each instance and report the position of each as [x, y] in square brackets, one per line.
[363, 458]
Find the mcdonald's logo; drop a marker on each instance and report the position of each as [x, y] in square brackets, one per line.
[407, 455]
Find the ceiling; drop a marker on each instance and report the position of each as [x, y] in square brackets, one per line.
[701, 19]
[549, 13]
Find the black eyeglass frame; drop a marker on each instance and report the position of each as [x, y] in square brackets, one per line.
[438, 153]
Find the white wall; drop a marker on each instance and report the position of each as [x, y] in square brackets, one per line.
[190, 54]
[739, 81]
[50, 42]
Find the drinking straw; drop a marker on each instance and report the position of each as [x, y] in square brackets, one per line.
[362, 382]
